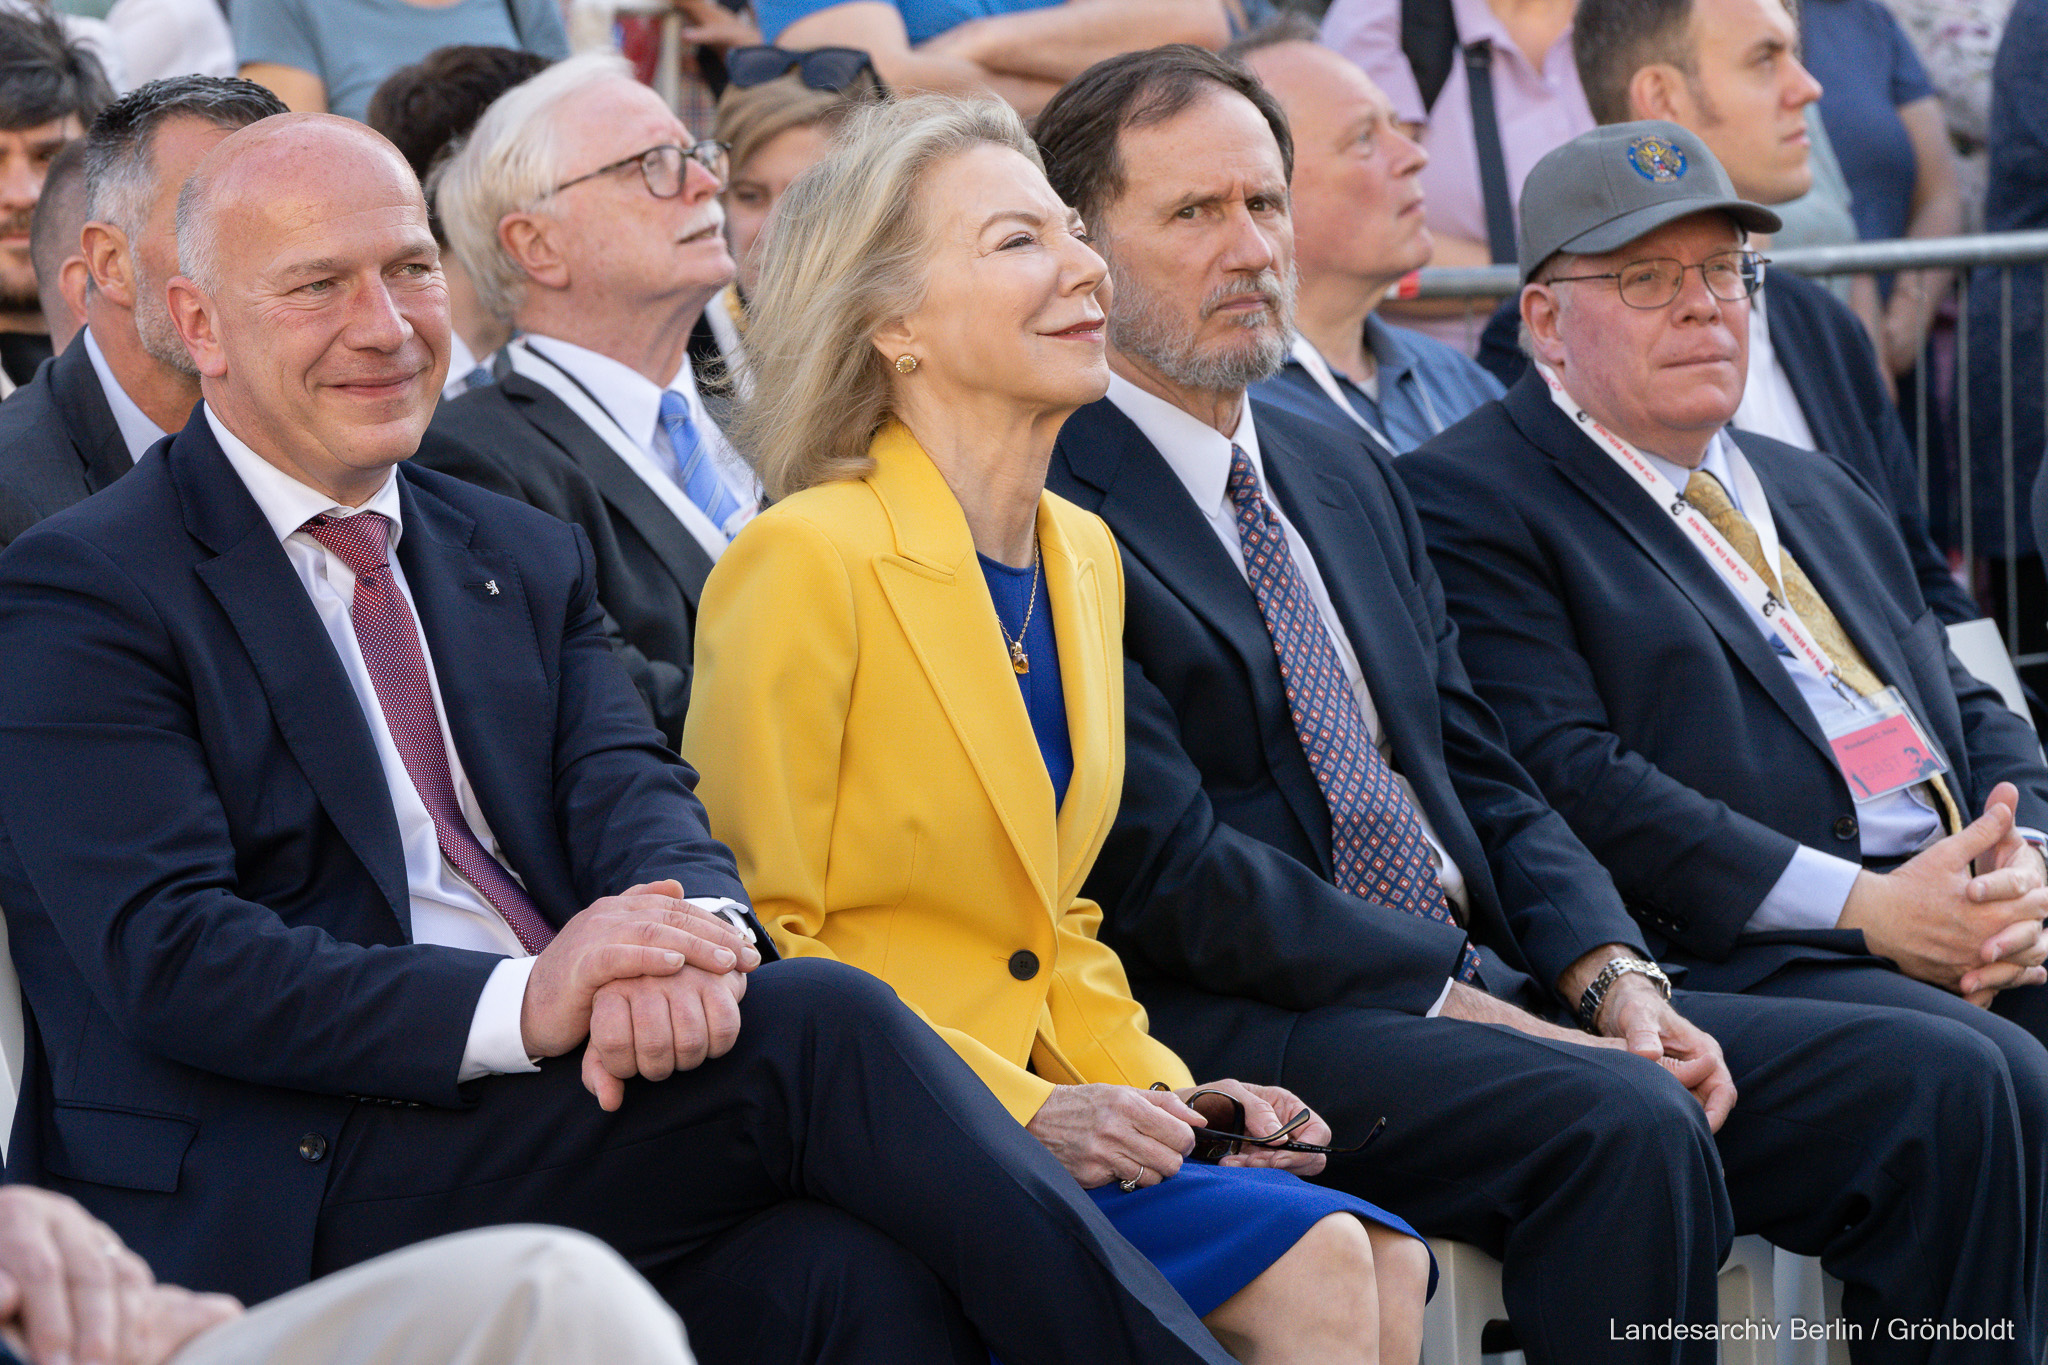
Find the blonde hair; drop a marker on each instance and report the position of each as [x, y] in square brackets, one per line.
[846, 252]
[752, 117]
[510, 163]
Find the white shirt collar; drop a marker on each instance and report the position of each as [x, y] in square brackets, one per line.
[1198, 453]
[138, 432]
[632, 400]
[288, 504]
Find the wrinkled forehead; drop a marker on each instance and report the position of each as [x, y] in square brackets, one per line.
[362, 215]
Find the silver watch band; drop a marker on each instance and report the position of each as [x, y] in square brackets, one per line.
[1616, 968]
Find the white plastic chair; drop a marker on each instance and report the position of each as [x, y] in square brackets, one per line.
[13, 1044]
[1982, 650]
[1468, 1297]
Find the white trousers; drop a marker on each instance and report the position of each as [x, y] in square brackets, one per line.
[495, 1296]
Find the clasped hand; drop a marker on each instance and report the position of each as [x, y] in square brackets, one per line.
[647, 983]
[1102, 1133]
[1965, 914]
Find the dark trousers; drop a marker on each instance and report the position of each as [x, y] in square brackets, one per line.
[1883, 1141]
[838, 1187]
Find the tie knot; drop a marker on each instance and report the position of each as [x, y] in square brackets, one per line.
[363, 541]
[1704, 491]
[675, 409]
[1244, 480]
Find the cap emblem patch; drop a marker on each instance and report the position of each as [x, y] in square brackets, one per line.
[1657, 160]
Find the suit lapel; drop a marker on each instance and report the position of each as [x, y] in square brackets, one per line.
[1089, 647]
[1158, 524]
[1611, 490]
[314, 706]
[1793, 339]
[623, 490]
[75, 386]
[934, 585]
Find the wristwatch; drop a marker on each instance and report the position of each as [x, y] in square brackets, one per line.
[1615, 970]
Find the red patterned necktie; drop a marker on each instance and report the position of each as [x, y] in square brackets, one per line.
[1376, 838]
[398, 670]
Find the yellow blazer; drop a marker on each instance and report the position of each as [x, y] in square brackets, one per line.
[865, 751]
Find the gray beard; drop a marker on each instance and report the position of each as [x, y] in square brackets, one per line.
[1146, 327]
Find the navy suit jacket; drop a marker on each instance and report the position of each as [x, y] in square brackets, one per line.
[199, 861]
[59, 442]
[1638, 691]
[1835, 376]
[517, 438]
[1215, 880]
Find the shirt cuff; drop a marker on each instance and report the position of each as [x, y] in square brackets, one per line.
[496, 1044]
[1809, 893]
[1443, 998]
[729, 910]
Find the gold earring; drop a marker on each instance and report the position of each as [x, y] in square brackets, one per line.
[905, 363]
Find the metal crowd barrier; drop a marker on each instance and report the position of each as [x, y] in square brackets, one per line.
[1975, 475]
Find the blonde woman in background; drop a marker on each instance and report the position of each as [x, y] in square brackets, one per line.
[908, 712]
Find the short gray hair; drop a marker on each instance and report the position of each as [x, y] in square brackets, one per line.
[849, 249]
[120, 168]
[509, 163]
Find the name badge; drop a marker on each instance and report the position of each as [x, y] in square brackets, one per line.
[1881, 748]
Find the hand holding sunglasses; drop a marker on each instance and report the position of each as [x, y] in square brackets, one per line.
[1228, 1137]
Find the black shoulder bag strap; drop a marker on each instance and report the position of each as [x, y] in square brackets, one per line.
[1493, 164]
[1429, 40]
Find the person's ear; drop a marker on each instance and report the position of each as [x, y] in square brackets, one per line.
[894, 339]
[1659, 90]
[193, 314]
[72, 278]
[533, 241]
[1540, 316]
[108, 258]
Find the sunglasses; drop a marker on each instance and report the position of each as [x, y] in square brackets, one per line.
[829, 69]
[1228, 1137]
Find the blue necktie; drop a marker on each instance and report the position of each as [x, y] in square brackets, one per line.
[478, 378]
[1377, 847]
[693, 470]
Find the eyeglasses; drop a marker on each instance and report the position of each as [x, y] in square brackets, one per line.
[662, 167]
[830, 69]
[1730, 276]
[1213, 1144]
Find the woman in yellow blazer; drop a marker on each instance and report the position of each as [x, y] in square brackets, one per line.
[908, 708]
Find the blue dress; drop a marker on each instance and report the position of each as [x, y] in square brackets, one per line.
[1211, 1230]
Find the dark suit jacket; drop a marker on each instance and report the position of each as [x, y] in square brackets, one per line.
[58, 440]
[1835, 376]
[1639, 693]
[1216, 878]
[515, 437]
[199, 861]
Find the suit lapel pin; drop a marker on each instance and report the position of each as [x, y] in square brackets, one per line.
[491, 586]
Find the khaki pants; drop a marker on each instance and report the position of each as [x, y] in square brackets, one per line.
[496, 1296]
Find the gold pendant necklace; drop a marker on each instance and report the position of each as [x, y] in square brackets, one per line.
[1019, 660]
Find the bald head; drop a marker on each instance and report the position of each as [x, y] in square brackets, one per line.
[311, 298]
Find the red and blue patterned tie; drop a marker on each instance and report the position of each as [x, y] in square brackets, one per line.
[1376, 839]
[398, 670]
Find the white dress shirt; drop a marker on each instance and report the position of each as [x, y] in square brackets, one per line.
[1200, 456]
[624, 409]
[446, 909]
[1769, 407]
[138, 432]
[1813, 888]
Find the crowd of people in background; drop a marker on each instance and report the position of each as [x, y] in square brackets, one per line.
[668, 672]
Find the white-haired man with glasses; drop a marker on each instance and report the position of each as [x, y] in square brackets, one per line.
[1709, 647]
[588, 216]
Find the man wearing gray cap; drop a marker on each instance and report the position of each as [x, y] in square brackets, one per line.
[1709, 648]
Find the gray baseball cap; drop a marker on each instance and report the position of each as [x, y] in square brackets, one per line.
[1606, 188]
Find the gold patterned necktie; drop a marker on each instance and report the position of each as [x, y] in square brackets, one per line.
[1705, 492]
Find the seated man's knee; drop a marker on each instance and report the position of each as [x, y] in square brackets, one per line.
[813, 989]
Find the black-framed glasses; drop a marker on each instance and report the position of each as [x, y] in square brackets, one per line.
[1730, 276]
[663, 167]
[832, 70]
[1228, 1138]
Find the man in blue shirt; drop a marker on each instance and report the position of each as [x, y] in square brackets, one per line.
[1358, 229]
